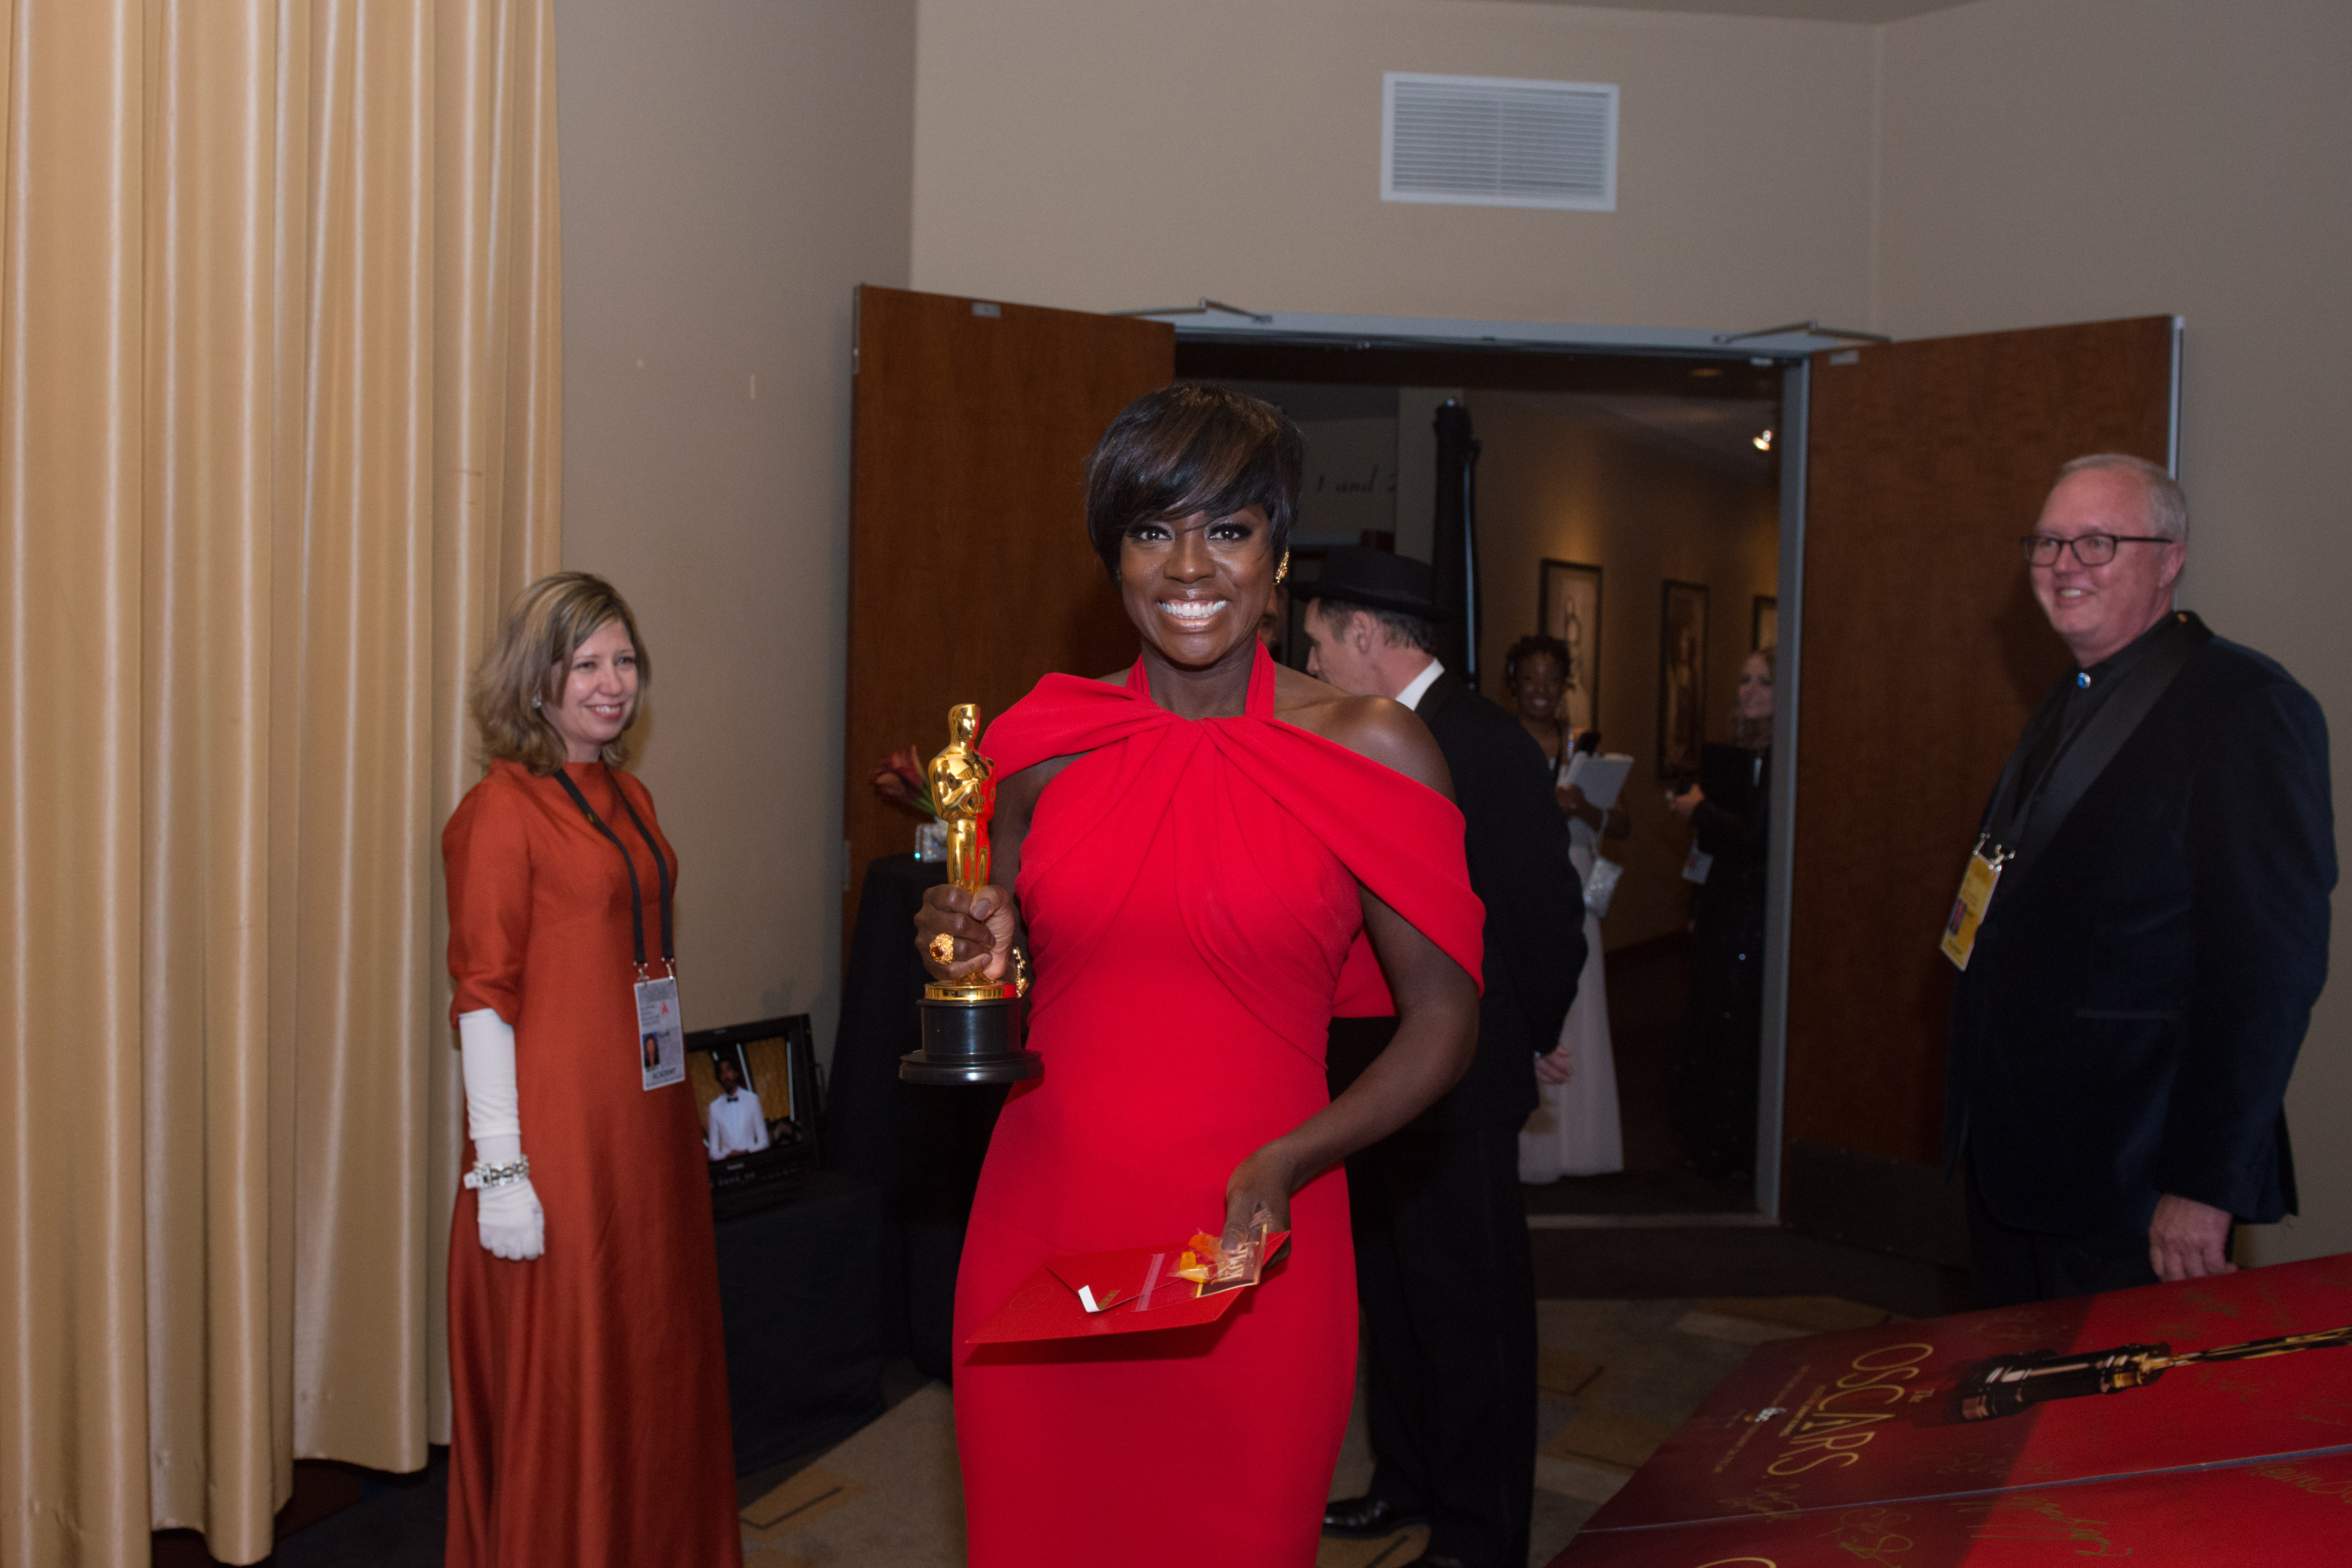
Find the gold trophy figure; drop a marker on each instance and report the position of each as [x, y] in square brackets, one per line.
[963, 791]
[971, 1025]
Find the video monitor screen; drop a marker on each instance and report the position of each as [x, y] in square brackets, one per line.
[755, 1104]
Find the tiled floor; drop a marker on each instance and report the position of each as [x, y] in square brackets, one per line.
[1615, 1377]
[1637, 1323]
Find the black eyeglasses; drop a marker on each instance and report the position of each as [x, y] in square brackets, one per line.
[2090, 549]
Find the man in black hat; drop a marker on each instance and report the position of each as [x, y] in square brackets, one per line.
[1441, 1261]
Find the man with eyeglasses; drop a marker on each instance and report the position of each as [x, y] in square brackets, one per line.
[2143, 929]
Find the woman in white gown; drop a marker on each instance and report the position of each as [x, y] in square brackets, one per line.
[1573, 1131]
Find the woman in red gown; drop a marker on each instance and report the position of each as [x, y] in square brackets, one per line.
[1204, 857]
[585, 1361]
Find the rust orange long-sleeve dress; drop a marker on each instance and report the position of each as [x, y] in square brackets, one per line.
[590, 1384]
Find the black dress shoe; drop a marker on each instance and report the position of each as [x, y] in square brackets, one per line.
[1366, 1518]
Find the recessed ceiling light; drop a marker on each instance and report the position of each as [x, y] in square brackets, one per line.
[1763, 443]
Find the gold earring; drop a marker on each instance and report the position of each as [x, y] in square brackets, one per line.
[1282, 570]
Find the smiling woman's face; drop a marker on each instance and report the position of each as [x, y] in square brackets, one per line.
[1196, 586]
[600, 693]
[1538, 685]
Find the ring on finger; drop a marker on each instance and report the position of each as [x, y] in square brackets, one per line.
[943, 947]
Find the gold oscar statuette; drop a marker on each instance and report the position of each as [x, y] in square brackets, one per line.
[971, 1025]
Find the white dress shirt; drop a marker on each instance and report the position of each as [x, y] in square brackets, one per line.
[1418, 687]
[736, 1127]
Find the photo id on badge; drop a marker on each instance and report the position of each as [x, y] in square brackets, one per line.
[661, 1039]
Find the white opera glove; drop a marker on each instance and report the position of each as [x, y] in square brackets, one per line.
[507, 1211]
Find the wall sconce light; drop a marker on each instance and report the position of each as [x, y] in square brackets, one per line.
[1763, 443]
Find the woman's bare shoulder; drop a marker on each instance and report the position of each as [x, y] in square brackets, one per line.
[1380, 728]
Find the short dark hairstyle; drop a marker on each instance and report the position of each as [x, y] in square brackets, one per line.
[1528, 646]
[1398, 629]
[1191, 447]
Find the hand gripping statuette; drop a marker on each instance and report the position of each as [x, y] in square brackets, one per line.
[971, 1025]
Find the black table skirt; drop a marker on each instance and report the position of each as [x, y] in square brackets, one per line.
[799, 1291]
[921, 1144]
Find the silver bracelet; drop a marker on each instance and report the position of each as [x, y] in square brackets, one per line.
[484, 1175]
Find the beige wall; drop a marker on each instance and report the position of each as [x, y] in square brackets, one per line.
[2006, 164]
[731, 169]
[1555, 481]
[2067, 160]
[1110, 154]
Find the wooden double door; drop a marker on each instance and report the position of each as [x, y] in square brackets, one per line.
[1921, 648]
[970, 575]
[1923, 652]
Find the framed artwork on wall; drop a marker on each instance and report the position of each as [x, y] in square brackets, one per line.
[1567, 606]
[1764, 624]
[1681, 678]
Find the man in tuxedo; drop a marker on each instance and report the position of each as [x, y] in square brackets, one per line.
[1442, 1266]
[737, 1122]
[2143, 973]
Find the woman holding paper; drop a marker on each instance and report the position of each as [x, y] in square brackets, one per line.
[1204, 856]
[588, 1382]
[1535, 672]
[1574, 1129]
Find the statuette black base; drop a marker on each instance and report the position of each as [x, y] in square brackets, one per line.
[972, 1042]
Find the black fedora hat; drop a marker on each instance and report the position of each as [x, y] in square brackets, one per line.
[1376, 580]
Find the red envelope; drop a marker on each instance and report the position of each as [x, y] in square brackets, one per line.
[1047, 1305]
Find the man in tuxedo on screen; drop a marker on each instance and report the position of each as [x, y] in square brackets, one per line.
[1442, 1267]
[2144, 969]
[737, 1124]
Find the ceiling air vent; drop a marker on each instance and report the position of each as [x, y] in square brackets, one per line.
[1499, 142]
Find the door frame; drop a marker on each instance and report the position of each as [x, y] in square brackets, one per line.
[1781, 844]
[1793, 351]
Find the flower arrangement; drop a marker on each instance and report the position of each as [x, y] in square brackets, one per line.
[899, 780]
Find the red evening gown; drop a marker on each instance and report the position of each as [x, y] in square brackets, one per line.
[590, 1384]
[1190, 893]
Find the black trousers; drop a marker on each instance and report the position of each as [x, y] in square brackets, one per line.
[2009, 1267]
[1712, 1076]
[1447, 1284]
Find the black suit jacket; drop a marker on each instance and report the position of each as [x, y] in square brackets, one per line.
[1516, 841]
[2137, 994]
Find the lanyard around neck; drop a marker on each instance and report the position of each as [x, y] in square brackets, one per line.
[637, 897]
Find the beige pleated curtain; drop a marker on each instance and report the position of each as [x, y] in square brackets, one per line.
[279, 435]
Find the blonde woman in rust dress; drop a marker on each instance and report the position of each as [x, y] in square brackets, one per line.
[585, 1358]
